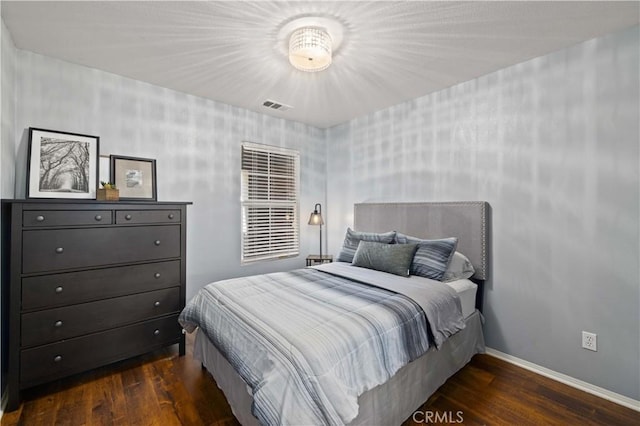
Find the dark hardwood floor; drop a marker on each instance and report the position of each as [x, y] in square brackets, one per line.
[164, 389]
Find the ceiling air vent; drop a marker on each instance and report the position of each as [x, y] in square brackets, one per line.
[276, 105]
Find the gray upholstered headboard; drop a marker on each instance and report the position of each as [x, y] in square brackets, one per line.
[468, 221]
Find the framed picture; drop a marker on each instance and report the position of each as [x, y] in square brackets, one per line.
[134, 177]
[62, 164]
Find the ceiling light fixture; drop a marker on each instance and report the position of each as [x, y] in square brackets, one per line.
[310, 49]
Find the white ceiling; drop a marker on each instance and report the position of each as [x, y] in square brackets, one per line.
[232, 51]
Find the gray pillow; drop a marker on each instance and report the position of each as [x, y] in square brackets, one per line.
[392, 258]
[432, 258]
[353, 238]
[460, 268]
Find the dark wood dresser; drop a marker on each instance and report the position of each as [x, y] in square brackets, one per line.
[87, 283]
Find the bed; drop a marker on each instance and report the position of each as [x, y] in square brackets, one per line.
[410, 382]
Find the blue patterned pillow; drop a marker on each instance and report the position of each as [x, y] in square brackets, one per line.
[353, 238]
[432, 257]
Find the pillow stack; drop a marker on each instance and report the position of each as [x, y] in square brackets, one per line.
[405, 255]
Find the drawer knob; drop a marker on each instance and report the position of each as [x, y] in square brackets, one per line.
[171, 216]
[128, 217]
[59, 289]
[156, 242]
[98, 217]
[58, 323]
[57, 358]
[59, 250]
[156, 332]
[157, 275]
[40, 218]
[156, 304]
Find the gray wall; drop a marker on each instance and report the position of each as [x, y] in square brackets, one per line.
[196, 143]
[7, 117]
[8, 107]
[553, 145]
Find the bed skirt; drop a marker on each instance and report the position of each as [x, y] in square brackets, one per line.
[387, 404]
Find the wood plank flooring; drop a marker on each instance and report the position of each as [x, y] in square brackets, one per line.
[164, 389]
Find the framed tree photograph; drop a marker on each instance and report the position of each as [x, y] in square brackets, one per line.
[62, 164]
[134, 177]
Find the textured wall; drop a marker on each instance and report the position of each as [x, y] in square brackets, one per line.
[7, 130]
[553, 145]
[196, 143]
[7, 117]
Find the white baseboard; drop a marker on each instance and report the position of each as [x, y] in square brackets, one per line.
[567, 380]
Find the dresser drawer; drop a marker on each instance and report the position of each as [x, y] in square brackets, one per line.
[77, 287]
[54, 250]
[57, 360]
[65, 217]
[147, 216]
[56, 324]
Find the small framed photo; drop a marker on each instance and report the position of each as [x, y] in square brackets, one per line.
[134, 177]
[62, 165]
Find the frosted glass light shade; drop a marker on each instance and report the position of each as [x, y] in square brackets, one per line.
[316, 218]
[310, 49]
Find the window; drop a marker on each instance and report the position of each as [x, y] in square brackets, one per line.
[270, 179]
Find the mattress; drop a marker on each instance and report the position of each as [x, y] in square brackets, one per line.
[323, 362]
[466, 290]
[387, 404]
[310, 341]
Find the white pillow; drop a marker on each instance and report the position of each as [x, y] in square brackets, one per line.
[459, 268]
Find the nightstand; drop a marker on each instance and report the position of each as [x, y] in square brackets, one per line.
[316, 259]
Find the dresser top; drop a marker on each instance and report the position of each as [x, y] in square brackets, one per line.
[90, 202]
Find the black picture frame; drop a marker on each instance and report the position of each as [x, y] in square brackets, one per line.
[134, 177]
[62, 164]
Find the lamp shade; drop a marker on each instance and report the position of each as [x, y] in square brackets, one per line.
[316, 218]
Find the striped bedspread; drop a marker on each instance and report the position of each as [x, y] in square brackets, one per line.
[309, 342]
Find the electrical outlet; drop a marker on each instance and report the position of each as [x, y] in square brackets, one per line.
[590, 341]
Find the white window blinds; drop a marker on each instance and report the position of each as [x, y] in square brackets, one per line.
[270, 182]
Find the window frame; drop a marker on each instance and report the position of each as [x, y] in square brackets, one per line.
[293, 247]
